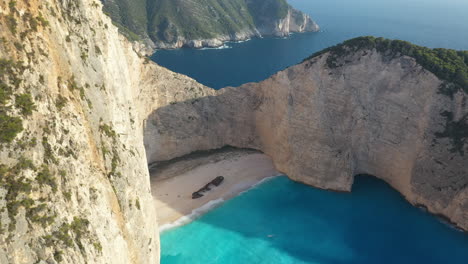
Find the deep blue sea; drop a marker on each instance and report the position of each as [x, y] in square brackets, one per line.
[432, 23]
[283, 222]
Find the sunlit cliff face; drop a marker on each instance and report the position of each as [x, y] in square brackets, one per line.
[322, 125]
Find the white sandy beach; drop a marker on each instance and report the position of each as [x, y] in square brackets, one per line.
[173, 195]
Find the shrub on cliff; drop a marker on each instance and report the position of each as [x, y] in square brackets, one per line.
[25, 104]
[9, 127]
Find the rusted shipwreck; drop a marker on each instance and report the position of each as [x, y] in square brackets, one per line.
[214, 183]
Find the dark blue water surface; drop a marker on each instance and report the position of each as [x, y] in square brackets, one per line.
[283, 222]
[432, 23]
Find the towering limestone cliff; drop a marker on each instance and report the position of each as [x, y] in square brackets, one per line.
[363, 107]
[200, 23]
[74, 183]
[81, 114]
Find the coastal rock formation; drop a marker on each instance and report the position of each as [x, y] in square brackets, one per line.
[168, 24]
[74, 181]
[294, 22]
[81, 116]
[332, 117]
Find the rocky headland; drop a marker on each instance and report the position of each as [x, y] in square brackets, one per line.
[294, 22]
[167, 24]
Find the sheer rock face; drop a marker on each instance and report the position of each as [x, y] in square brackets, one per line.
[321, 126]
[294, 21]
[74, 182]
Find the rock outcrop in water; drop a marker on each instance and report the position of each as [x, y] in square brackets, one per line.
[362, 111]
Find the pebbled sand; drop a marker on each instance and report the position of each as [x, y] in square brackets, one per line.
[173, 185]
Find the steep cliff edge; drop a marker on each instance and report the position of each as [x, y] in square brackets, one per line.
[349, 110]
[77, 104]
[74, 183]
[168, 24]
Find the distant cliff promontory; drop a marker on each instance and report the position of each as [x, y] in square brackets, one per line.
[170, 24]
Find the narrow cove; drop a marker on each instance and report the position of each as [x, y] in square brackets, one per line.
[282, 221]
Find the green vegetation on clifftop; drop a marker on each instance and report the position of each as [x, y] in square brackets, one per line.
[169, 20]
[128, 15]
[447, 64]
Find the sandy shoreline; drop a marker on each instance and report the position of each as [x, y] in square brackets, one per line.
[173, 195]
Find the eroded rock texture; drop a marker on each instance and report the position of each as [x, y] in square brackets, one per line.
[370, 113]
[74, 182]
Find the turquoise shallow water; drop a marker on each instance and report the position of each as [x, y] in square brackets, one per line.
[283, 222]
[432, 23]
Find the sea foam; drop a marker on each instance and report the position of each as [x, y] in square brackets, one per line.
[192, 216]
[217, 48]
[196, 213]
